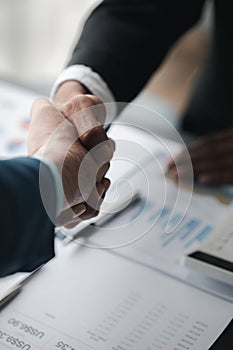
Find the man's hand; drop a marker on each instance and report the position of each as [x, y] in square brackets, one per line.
[54, 137]
[72, 98]
[212, 159]
[67, 90]
[87, 113]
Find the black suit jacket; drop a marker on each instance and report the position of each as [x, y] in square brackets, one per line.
[27, 234]
[126, 40]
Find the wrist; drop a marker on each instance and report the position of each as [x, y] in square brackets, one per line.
[67, 90]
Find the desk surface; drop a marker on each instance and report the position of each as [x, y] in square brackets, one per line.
[94, 299]
[84, 287]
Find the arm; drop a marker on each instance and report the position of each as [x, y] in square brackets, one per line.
[125, 41]
[28, 203]
[212, 159]
[26, 230]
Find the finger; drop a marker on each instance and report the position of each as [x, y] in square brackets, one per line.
[171, 164]
[67, 216]
[86, 115]
[45, 119]
[103, 152]
[76, 217]
[79, 209]
[206, 167]
[106, 183]
[96, 197]
[205, 157]
[90, 132]
[92, 212]
[89, 214]
[214, 164]
[72, 224]
[39, 103]
[181, 161]
[218, 178]
[92, 205]
[93, 168]
[80, 102]
[101, 110]
[215, 145]
[181, 174]
[181, 158]
[89, 135]
[102, 172]
[44, 110]
[221, 135]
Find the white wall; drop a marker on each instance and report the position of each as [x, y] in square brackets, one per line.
[36, 37]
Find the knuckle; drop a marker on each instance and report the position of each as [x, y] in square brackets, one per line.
[39, 105]
[85, 101]
[67, 109]
[94, 136]
[76, 99]
[76, 104]
[96, 99]
[98, 133]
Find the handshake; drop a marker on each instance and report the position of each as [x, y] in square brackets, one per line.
[71, 136]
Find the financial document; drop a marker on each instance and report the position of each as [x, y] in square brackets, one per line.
[169, 221]
[89, 298]
[92, 299]
[15, 104]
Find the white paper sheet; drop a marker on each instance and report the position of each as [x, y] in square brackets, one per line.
[139, 233]
[90, 299]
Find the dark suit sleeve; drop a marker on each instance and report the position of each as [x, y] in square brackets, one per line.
[125, 40]
[27, 234]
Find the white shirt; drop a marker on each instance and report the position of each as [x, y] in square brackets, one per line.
[93, 82]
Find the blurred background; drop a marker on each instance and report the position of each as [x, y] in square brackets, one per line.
[36, 38]
[36, 41]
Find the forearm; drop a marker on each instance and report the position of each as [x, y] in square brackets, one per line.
[125, 42]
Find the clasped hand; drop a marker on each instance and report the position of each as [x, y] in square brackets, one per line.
[211, 157]
[73, 138]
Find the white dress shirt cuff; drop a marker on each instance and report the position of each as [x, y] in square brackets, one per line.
[57, 182]
[93, 82]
